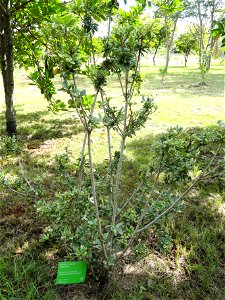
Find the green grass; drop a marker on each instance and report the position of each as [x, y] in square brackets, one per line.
[26, 278]
[191, 268]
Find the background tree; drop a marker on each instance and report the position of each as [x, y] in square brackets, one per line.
[185, 43]
[171, 11]
[6, 54]
[158, 36]
[205, 12]
[219, 31]
[17, 18]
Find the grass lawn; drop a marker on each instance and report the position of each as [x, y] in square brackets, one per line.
[184, 261]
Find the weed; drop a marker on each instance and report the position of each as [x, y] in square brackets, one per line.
[9, 145]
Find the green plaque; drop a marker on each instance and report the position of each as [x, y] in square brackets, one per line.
[71, 272]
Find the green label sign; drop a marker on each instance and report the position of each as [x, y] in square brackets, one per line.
[71, 272]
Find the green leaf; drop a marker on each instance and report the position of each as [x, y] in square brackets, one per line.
[83, 93]
[71, 103]
[69, 20]
[215, 32]
[221, 124]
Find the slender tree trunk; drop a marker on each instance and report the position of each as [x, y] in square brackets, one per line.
[6, 56]
[154, 56]
[94, 195]
[186, 57]
[169, 42]
[211, 42]
[202, 52]
[167, 45]
[209, 56]
[185, 60]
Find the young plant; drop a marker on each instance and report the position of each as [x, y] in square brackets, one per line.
[94, 219]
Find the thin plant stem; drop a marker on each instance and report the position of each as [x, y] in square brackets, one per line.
[122, 147]
[24, 176]
[92, 49]
[80, 176]
[127, 93]
[109, 23]
[94, 195]
[19, 193]
[121, 84]
[110, 160]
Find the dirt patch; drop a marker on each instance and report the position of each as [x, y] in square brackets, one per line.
[17, 210]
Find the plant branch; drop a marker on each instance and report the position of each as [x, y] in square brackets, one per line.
[180, 197]
[132, 196]
[3, 8]
[138, 230]
[24, 175]
[85, 141]
[20, 193]
[94, 195]
[21, 6]
[121, 84]
[119, 167]
[142, 215]
[122, 146]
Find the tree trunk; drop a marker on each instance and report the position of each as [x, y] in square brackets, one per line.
[169, 42]
[211, 41]
[154, 56]
[6, 56]
[185, 60]
[202, 52]
[187, 52]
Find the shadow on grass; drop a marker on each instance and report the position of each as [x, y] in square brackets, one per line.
[184, 83]
[193, 269]
[42, 125]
